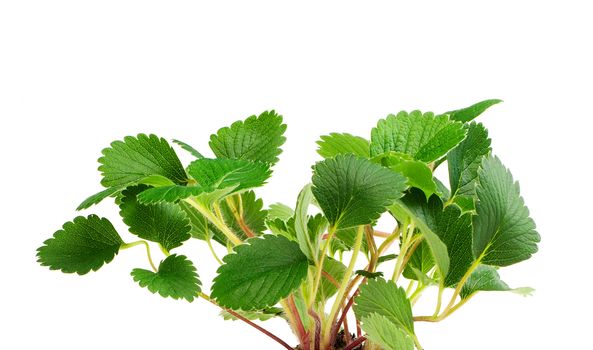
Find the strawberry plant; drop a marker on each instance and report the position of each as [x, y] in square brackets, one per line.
[321, 264]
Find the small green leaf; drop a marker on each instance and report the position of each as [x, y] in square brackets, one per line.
[163, 222]
[418, 173]
[469, 113]
[464, 161]
[387, 299]
[257, 139]
[486, 278]
[249, 222]
[336, 270]
[82, 245]
[98, 197]
[421, 262]
[169, 194]
[347, 237]
[200, 226]
[214, 174]
[175, 278]
[128, 161]
[504, 234]
[308, 240]
[260, 273]
[194, 152]
[380, 330]
[353, 191]
[259, 315]
[386, 258]
[280, 211]
[369, 274]
[333, 144]
[423, 136]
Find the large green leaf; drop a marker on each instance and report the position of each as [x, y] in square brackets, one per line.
[163, 222]
[214, 174]
[464, 161]
[175, 278]
[82, 245]
[135, 158]
[387, 299]
[423, 136]
[260, 273]
[255, 139]
[469, 113]
[504, 234]
[486, 278]
[353, 191]
[333, 144]
[380, 330]
[416, 172]
[452, 228]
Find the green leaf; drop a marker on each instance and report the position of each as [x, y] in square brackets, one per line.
[128, 161]
[98, 197]
[163, 222]
[386, 258]
[401, 210]
[308, 240]
[82, 245]
[336, 270]
[194, 152]
[452, 228]
[353, 191]
[280, 211]
[486, 278]
[256, 139]
[200, 228]
[469, 113]
[260, 315]
[464, 161]
[347, 237]
[369, 274]
[416, 172]
[169, 194]
[387, 299]
[333, 144]
[420, 263]
[214, 174]
[249, 222]
[423, 136]
[504, 234]
[175, 278]
[383, 332]
[260, 273]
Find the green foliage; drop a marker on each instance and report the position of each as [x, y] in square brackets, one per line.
[353, 191]
[333, 144]
[175, 278]
[164, 223]
[423, 136]
[504, 234]
[256, 139]
[259, 273]
[82, 245]
[330, 256]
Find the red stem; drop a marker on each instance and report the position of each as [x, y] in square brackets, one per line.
[355, 343]
[299, 323]
[336, 326]
[317, 329]
[358, 329]
[259, 328]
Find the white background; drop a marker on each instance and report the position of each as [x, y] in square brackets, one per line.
[75, 75]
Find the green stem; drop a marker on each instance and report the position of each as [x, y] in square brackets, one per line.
[319, 267]
[462, 282]
[209, 243]
[216, 220]
[345, 281]
[408, 233]
[133, 244]
[439, 300]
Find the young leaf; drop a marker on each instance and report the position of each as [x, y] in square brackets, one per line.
[98, 197]
[380, 330]
[175, 278]
[423, 136]
[213, 174]
[169, 194]
[257, 139]
[260, 315]
[387, 299]
[82, 245]
[333, 144]
[452, 228]
[163, 222]
[135, 158]
[249, 222]
[418, 173]
[260, 273]
[334, 269]
[308, 241]
[420, 263]
[194, 152]
[464, 161]
[353, 191]
[504, 234]
[469, 113]
[280, 211]
[200, 226]
[486, 278]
